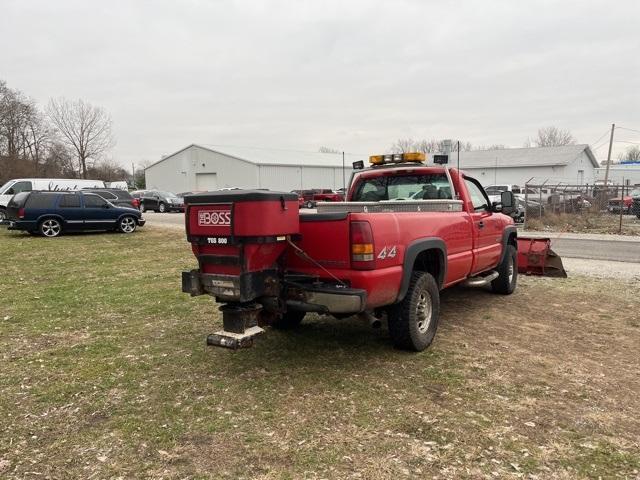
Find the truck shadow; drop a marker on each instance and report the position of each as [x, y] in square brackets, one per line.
[348, 344]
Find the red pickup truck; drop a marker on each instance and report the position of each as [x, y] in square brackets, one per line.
[406, 231]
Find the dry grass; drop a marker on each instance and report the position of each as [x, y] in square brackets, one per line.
[585, 222]
[104, 374]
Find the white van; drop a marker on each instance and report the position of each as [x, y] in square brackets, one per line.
[18, 185]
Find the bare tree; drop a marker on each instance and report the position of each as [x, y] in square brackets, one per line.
[551, 137]
[495, 146]
[324, 149]
[15, 113]
[632, 154]
[427, 146]
[403, 145]
[85, 129]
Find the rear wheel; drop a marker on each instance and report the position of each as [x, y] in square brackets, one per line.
[309, 204]
[413, 322]
[50, 227]
[127, 225]
[507, 279]
[289, 320]
[162, 208]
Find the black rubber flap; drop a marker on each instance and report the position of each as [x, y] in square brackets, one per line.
[232, 196]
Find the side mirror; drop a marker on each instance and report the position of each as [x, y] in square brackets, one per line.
[508, 202]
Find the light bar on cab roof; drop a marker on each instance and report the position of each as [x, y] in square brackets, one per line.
[397, 158]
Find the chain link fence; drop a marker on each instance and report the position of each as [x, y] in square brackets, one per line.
[580, 208]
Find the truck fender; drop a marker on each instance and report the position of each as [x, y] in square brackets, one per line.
[509, 237]
[411, 253]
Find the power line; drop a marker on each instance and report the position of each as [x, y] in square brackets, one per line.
[630, 129]
[601, 137]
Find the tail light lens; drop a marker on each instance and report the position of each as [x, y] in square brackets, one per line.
[21, 213]
[135, 202]
[362, 247]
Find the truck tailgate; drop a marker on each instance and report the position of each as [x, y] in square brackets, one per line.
[325, 238]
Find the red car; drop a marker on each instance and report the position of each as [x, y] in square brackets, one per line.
[627, 201]
[407, 231]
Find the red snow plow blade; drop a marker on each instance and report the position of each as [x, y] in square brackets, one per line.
[535, 257]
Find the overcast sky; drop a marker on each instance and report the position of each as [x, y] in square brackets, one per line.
[352, 75]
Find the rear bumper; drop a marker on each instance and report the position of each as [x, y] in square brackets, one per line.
[21, 225]
[328, 299]
[325, 298]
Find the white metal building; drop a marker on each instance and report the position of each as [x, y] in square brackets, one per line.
[629, 173]
[571, 164]
[196, 168]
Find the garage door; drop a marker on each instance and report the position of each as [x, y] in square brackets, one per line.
[206, 182]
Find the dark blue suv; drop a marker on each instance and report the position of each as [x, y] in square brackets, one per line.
[51, 213]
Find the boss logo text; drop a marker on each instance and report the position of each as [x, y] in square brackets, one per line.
[213, 217]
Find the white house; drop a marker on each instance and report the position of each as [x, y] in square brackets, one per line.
[198, 168]
[571, 164]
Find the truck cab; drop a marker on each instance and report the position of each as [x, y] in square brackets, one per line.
[407, 231]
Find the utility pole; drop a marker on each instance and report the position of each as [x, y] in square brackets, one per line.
[606, 172]
[344, 182]
[458, 156]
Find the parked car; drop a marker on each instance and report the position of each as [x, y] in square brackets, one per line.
[327, 195]
[51, 213]
[120, 198]
[159, 201]
[184, 194]
[635, 207]
[614, 204]
[310, 197]
[18, 185]
[138, 193]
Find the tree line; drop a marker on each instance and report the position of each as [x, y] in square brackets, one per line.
[66, 138]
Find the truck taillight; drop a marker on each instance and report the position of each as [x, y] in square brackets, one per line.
[21, 213]
[362, 248]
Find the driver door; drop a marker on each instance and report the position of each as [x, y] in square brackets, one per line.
[98, 213]
[487, 232]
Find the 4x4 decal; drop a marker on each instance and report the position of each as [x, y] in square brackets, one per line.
[388, 252]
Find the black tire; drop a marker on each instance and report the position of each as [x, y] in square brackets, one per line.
[162, 208]
[142, 209]
[289, 320]
[127, 224]
[50, 227]
[507, 279]
[413, 322]
[309, 204]
[3, 215]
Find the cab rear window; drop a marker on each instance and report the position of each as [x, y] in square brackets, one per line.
[403, 187]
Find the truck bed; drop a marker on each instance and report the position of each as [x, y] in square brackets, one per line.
[325, 237]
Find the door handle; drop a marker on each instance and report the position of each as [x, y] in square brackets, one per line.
[480, 224]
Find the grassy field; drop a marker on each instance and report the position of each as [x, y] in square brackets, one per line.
[104, 373]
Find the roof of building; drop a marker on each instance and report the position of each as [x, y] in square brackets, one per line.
[274, 156]
[508, 157]
[523, 157]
